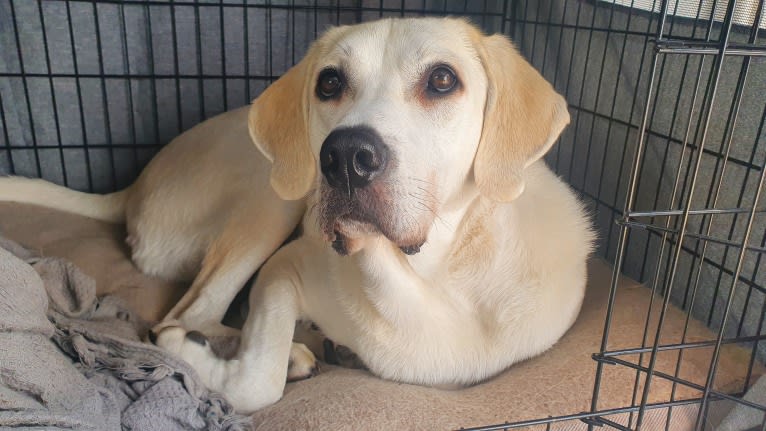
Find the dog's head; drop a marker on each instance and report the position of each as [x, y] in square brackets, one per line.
[390, 122]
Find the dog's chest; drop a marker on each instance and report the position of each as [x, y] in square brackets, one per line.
[401, 325]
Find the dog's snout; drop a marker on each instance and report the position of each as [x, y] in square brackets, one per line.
[352, 157]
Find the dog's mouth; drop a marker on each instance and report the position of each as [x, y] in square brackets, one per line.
[347, 220]
[345, 244]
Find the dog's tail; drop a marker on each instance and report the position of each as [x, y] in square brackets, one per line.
[109, 207]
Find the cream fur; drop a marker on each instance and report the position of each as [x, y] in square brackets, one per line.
[501, 274]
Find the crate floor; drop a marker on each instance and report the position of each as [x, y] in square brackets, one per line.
[556, 383]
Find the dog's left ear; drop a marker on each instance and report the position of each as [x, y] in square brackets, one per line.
[523, 117]
[278, 123]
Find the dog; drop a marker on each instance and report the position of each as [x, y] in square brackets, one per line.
[434, 242]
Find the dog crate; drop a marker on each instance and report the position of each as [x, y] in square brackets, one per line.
[666, 143]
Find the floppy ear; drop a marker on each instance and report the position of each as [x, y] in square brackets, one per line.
[278, 123]
[523, 117]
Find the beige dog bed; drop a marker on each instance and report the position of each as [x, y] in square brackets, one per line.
[557, 383]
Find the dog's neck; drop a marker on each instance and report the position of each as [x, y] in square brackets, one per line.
[444, 237]
[398, 285]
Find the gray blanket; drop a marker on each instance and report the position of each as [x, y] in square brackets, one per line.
[71, 360]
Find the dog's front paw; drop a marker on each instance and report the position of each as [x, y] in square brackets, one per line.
[194, 348]
[303, 364]
[247, 386]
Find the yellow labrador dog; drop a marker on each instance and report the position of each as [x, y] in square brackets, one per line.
[435, 243]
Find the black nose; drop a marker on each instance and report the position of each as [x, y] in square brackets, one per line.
[352, 157]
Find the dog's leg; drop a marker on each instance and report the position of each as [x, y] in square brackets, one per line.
[301, 365]
[230, 261]
[256, 376]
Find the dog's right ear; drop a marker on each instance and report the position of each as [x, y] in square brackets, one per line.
[523, 117]
[278, 123]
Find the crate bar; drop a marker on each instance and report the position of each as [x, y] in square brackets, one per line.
[556, 70]
[546, 40]
[567, 86]
[600, 421]
[316, 19]
[136, 75]
[597, 98]
[733, 225]
[663, 237]
[684, 220]
[731, 123]
[689, 234]
[740, 261]
[746, 305]
[53, 92]
[504, 20]
[285, 6]
[580, 416]
[544, 64]
[622, 239]
[175, 75]
[224, 80]
[680, 381]
[611, 118]
[7, 139]
[80, 104]
[582, 94]
[25, 84]
[718, 265]
[534, 32]
[717, 67]
[680, 346]
[152, 83]
[200, 69]
[128, 85]
[91, 146]
[269, 42]
[762, 315]
[748, 52]
[633, 106]
[246, 45]
[670, 213]
[546, 44]
[522, 35]
[705, 48]
[664, 136]
[104, 98]
[664, 163]
[595, 29]
[740, 199]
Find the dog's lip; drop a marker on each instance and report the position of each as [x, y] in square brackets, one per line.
[348, 227]
[345, 219]
[351, 225]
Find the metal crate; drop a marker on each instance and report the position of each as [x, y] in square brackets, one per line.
[667, 103]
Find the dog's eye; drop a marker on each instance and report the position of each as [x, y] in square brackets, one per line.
[329, 84]
[442, 80]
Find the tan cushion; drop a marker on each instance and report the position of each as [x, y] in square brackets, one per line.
[555, 383]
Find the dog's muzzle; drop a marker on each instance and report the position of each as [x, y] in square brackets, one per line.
[352, 157]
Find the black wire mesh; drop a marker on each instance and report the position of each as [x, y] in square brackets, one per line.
[92, 89]
[669, 107]
[666, 136]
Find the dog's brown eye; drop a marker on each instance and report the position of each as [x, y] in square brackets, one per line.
[442, 80]
[329, 84]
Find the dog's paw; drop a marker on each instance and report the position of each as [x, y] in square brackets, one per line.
[176, 340]
[303, 364]
[194, 348]
[247, 386]
[151, 334]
